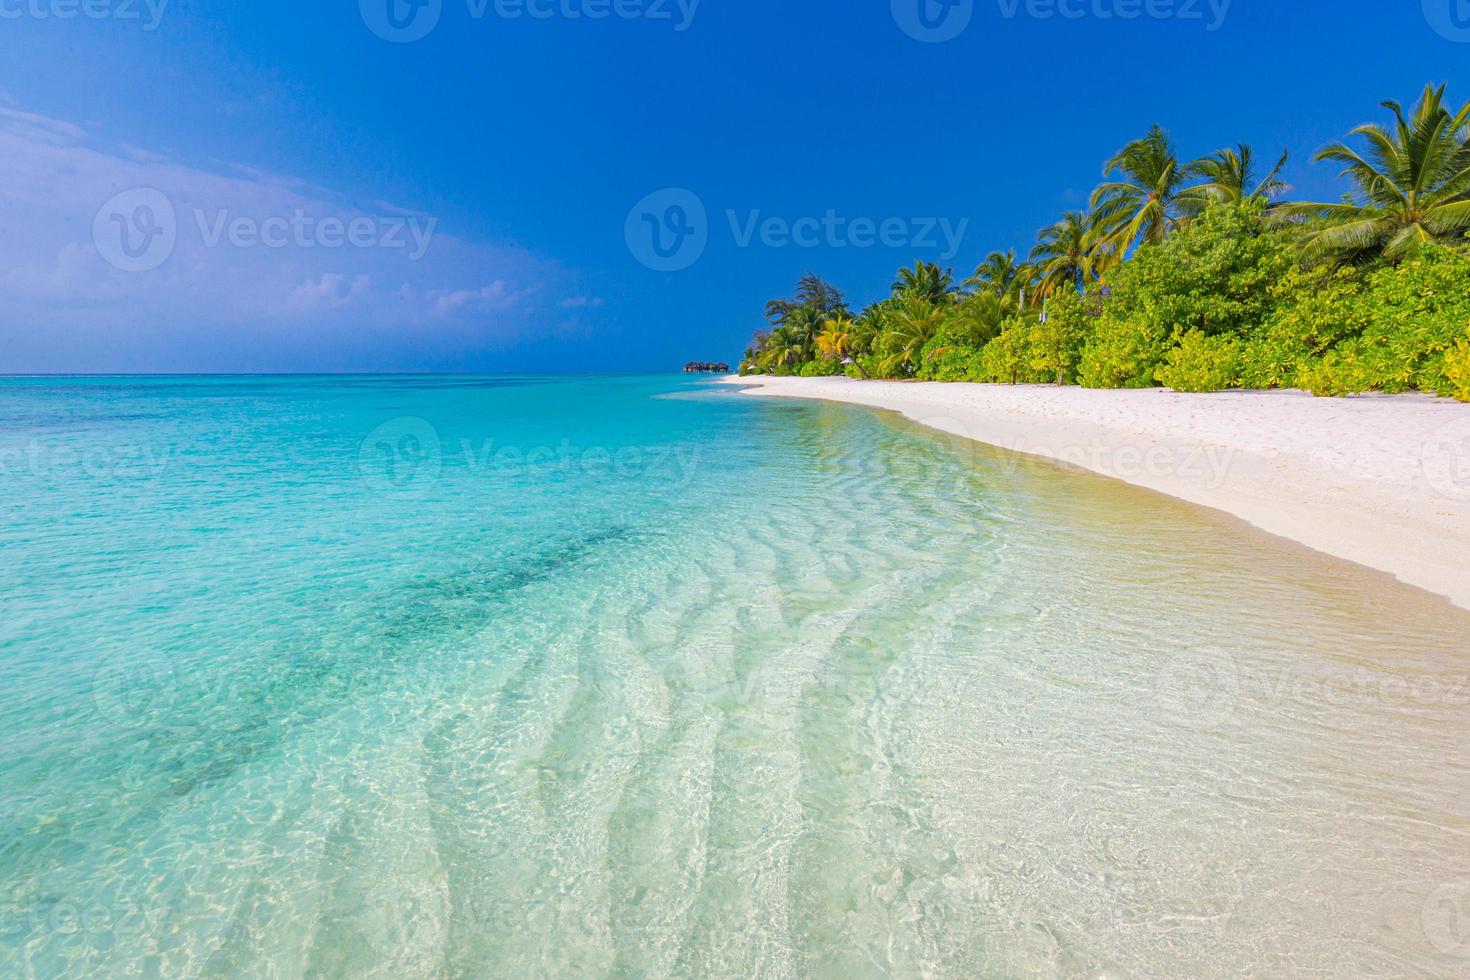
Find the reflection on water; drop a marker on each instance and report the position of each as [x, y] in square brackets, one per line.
[840, 698]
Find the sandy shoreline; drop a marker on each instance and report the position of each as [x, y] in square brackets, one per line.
[1383, 481]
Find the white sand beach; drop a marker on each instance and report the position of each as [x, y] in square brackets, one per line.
[1380, 480]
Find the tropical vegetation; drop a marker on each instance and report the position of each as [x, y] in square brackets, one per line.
[1197, 275]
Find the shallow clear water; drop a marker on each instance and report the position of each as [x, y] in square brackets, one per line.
[637, 677]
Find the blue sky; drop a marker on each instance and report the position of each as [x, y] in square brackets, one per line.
[491, 166]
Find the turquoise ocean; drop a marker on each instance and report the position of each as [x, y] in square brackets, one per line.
[642, 677]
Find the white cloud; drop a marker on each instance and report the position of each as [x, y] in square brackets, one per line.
[27, 125]
[332, 291]
[496, 296]
[53, 277]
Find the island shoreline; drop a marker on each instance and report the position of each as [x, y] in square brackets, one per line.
[1380, 480]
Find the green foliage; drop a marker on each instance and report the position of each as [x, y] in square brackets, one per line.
[950, 355]
[1213, 277]
[796, 323]
[1412, 315]
[1143, 199]
[1054, 346]
[943, 361]
[1457, 371]
[1068, 254]
[925, 281]
[1004, 359]
[913, 323]
[866, 367]
[1412, 183]
[1009, 357]
[821, 368]
[1315, 310]
[978, 319]
[1202, 363]
[1210, 282]
[1122, 353]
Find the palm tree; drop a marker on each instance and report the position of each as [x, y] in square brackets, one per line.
[913, 325]
[805, 322]
[812, 293]
[980, 318]
[1001, 274]
[1230, 177]
[783, 348]
[1143, 202]
[1413, 181]
[836, 339]
[925, 281]
[1067, 253]
[812, 290]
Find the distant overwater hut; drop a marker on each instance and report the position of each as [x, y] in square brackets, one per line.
[706, 367]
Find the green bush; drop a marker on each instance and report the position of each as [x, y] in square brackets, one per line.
[1315, 310]
[1214, 276]
[1055, 343]
[869, 367]
[1004, 360]
[943, 360]
[946, 357]
[1410, 317]
[821, 368]
[1222, 302]
[1201, 363]
[1122, 354]
[1457, 371]
[1033, 349]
